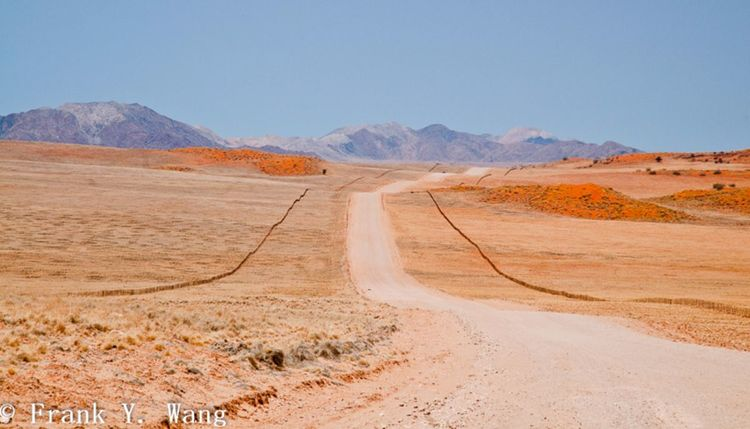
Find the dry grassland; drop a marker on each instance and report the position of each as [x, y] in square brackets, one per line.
[615, 260]
[80, 220]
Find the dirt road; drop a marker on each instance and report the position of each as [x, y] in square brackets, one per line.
[539, 369]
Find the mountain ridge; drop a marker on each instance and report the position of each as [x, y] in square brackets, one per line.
[137, 126]
[436, 142]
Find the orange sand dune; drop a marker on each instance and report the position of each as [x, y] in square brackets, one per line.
[269, 163]
[731, 199]
[740, 156]
[586, 201]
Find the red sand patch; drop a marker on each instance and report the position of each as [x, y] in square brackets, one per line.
[730, 199]
[717, 172]
[735, 157]
[637, 158]
[269, 163]
[587, 201]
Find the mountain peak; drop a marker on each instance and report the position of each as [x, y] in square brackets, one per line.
[435, 127]
[438, 131]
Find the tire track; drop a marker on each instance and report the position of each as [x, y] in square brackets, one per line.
[198, 282]
[688, 302]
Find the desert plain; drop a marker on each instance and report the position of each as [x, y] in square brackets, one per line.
[294, 292]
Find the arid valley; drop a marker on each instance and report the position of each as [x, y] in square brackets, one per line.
[294, 292]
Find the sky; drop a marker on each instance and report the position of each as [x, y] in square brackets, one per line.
[656, 74]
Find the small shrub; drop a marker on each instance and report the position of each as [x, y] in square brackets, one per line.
[676, 173]
[717, 171]
[652, 172]
[26, 357]
[718, 186]
[60, 328]
[658, 159]
[732, 185]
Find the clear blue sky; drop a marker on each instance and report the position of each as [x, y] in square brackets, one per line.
[658, 75]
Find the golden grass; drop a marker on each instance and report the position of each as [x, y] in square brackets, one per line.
[698, 303]
[682, 280]
[205, 280]
[518, 281]
[74, 223]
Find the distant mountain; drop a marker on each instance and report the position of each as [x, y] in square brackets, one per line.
[395, 142]
[136, 126]
[105, 124]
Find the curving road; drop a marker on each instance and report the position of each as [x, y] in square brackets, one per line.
[542, 369]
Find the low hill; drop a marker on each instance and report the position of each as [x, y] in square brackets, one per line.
[587, 201]
[725, 198]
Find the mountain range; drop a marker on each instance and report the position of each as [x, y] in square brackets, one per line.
[135, 126]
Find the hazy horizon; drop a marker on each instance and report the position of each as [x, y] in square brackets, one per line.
[667, 76]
